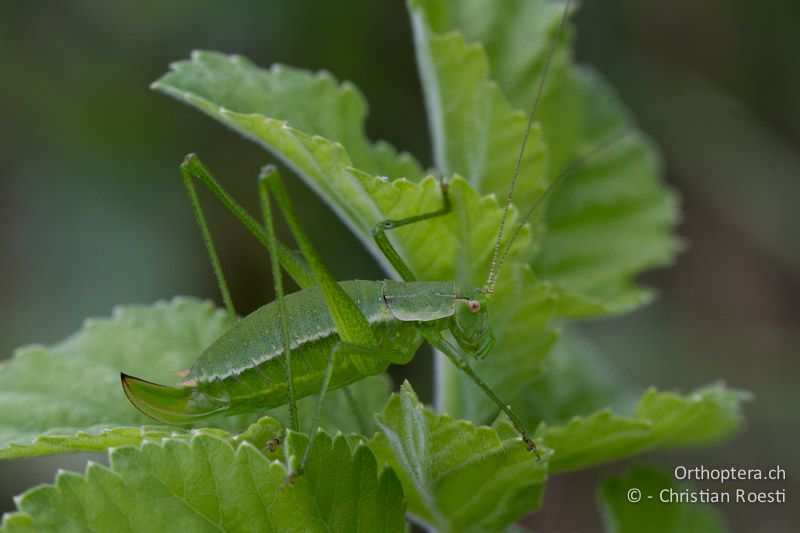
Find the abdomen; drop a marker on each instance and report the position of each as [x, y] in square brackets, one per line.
[245, 366]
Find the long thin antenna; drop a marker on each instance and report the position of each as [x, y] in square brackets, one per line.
[599, 147]
[492, 279]
[572, 167]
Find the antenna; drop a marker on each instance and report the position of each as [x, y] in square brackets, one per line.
[572, 167]
[492, 279]
[597, 148]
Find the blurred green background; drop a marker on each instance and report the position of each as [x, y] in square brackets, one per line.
[93, 214]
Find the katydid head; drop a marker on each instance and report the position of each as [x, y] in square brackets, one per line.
[470, 324]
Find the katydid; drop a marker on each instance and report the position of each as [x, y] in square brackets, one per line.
[329, 334]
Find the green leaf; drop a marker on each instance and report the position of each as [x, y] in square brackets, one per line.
[662, 419]
[607, 222]
[475, 132]
[650, 514]
[74, 386]
[516, 38]
[314, 103]
[457, 476]
[86, 441]
[257, 434]
[208, 484]
[611, 219]
[575, 380]
[707, 415]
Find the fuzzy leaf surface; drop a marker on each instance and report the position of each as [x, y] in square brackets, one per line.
[475, 132]
[209, 484]
[314, 103]
[258, 434]
[662, 419]
[608, 221]
[457, 477]
[576, 380]
[72, 389]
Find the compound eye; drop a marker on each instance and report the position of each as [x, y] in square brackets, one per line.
[474, 305]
